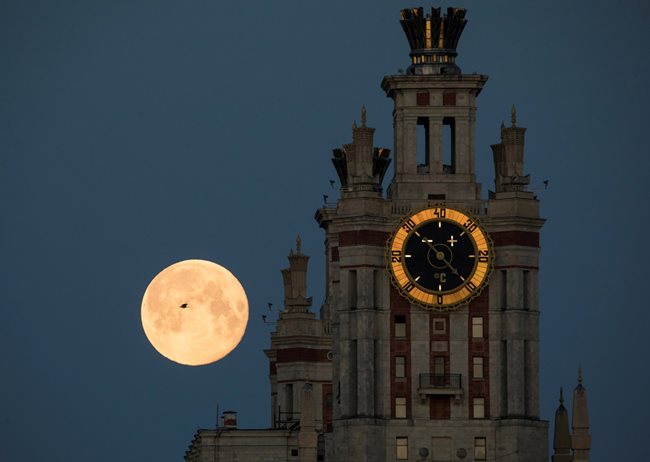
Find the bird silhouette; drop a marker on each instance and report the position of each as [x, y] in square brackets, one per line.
[332, 183]
[325, 196]
[184, 305]
[545, 184]
[270, 305]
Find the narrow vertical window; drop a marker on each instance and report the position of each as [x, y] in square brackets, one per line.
[439, 371]
[400, 325]
[288, 400]
[477, 327]
[400, 367]
[376, 288]
[402, 448]
[423, 142]
[526, 282]
[352, 289]
[477, 367]
[479, 408]
[480, 448]
[449, 145]
[504, 289]
[400, 407]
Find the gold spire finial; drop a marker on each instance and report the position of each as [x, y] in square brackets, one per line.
[298, 243]
[579, 374]
[363, 116]
[441, 36]
[513, 116]
[561, 396]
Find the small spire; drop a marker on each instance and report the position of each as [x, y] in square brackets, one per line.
[354, 125]
[503, 125]
[363, 116]
[513, 116]
[298, 243]
[579, 375]
[561, 396]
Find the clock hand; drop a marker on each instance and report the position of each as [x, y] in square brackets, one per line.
[428, 242]
[439, 255]
[453, 270]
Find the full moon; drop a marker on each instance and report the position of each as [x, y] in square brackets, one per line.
[194, 312]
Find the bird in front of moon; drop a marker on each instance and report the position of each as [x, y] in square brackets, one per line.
[194, 312]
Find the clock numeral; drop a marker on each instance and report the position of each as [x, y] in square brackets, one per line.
[408, 287]
[439, 300]
[470, 286]
[470, 225]
[483, 256]
[396, 256]
[408, 225]
[440, 213]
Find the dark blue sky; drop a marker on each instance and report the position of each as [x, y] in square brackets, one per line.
[136, 134]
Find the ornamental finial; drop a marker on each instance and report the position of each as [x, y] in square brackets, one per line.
[580, 374]
[298, 243]
[561, 396]
[513, 116]
[363, 116]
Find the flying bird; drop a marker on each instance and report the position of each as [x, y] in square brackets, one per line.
[270, 305]
[264, 318]
[184, 305]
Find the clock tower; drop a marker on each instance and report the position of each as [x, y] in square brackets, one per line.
[452, 373]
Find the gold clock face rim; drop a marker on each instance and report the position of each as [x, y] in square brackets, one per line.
[440, 300]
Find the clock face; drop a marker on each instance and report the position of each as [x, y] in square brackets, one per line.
[440, 258]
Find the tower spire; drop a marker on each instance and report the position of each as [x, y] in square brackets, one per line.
[581, 439]
[561, 437]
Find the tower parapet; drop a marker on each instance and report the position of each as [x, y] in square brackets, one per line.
[361, 167]
[509, 158]
[433, 39]
[295, 281]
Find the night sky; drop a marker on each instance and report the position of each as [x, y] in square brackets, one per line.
[134, 134]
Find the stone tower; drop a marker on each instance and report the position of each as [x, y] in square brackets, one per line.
[298, 354]
[410, 382]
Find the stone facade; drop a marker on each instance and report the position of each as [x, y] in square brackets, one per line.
[488, 408]
[366, 368]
